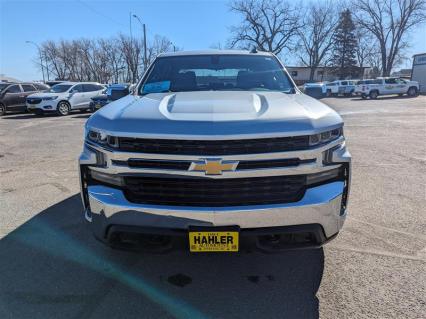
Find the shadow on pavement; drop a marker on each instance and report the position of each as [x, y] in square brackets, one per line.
[52, 267]
[387, 97]
[82, 116]
[19, 116]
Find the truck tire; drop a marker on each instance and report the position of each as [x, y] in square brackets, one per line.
[63, 108]
[328, 94]
[374, 94]
[412, 91]
[364, 96]
[2, 109]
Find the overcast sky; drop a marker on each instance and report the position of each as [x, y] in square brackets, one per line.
[196, 24]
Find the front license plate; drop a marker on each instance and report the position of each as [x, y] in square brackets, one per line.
[213, 241]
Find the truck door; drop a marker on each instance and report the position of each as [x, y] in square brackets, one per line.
[401, 86]
[390, 86]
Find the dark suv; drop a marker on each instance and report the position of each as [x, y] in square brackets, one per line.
[13, 96]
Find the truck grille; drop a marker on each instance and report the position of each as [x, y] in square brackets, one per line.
[215, 148]
[214, 192]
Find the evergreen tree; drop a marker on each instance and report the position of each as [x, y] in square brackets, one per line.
[344, 47]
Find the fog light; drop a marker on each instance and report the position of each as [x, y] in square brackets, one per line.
[107, 178]
[322, 176]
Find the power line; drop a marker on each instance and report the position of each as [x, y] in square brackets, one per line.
[100, 13]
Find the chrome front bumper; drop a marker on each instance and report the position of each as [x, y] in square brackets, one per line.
[320, 205]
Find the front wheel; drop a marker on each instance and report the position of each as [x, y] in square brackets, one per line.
[2, 109]
[412, 91]
[374, 95]
[328, 93]
[63, 108]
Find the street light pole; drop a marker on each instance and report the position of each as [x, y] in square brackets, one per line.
[145, 61]
[41, 59]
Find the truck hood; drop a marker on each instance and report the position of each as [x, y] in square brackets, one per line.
[215, 115]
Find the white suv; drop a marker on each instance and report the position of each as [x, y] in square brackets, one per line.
[64, 97]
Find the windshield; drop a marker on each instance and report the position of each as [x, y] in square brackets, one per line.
[217, 73]
[59, 88]
[3, 86]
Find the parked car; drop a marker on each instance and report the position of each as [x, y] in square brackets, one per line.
[52, 83]
[386, 86]
[214, 146]
[111, 93]
[317, 90]
[344, 87]
[13, 96]
[41, 86]
[64, 97]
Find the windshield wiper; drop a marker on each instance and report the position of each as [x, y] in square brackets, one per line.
[290, 91]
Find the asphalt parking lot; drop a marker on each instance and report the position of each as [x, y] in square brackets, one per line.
[52, 267]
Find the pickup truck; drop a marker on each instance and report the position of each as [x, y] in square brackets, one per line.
[336, 88]
[213, 151]
[386, 86]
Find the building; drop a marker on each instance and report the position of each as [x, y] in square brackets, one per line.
[418, 72]
[300, 74]
[403, 73]
[4, 78]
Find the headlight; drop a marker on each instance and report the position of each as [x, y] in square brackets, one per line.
[102, 138]
[49, 98]
[325, 137]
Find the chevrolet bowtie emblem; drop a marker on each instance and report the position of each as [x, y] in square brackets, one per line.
[213, 166]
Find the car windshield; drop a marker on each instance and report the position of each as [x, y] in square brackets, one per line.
[59, 88]
[217, 73]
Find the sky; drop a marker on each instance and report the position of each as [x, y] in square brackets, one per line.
[190, 24]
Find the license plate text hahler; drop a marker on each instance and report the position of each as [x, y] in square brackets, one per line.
[213, 241]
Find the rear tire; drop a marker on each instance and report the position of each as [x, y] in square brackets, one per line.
[374, 94]
[2, 109]
[63, 108]
[412, 91]
[364, 96]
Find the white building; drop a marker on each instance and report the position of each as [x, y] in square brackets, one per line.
[419, 71]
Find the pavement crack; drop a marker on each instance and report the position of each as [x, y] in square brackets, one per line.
[377, 252]
[420, 237]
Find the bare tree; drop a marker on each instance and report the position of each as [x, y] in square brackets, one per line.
[159, 45]
[367, 48]
[388, 21]
[316, 37]
[117, 59]
[268, 25]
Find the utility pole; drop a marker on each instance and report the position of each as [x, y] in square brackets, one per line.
[145, 60]
[41, 59]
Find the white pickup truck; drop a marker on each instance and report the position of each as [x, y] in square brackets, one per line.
[386, 86]
[345, 87]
